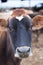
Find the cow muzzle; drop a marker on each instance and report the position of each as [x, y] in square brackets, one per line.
[23, 52]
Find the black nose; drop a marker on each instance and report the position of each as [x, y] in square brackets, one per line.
[23, 51]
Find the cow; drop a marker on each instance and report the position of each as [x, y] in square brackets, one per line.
[37, 25]
[17, 39]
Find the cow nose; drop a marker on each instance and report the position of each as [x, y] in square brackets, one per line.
[23, 51]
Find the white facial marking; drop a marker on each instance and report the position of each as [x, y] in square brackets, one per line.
[19, 18]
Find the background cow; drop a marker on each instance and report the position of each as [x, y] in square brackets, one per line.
[37, 25]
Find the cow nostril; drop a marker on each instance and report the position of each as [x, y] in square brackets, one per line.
[28, 50]
[19, 51]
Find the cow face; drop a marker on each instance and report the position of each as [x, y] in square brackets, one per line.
[21, 36]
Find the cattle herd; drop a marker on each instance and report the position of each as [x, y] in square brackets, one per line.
[18, 28]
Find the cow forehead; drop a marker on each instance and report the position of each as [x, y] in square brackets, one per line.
[22, 15]
[19, 18]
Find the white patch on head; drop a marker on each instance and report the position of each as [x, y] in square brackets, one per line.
[19, 17]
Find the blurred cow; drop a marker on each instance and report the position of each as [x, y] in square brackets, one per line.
[37, 24]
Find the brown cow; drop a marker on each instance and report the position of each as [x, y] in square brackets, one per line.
[38, 21]
[10, 53]
[37, 24]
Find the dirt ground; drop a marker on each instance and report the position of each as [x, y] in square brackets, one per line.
[37, 50]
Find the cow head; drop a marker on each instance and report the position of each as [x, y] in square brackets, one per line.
[20, 35]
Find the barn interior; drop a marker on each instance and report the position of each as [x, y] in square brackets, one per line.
[33, 8]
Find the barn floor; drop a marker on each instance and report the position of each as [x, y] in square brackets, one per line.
[37, 50]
